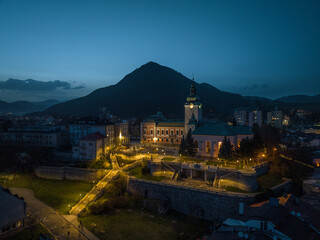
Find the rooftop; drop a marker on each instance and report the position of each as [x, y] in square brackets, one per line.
[12, 208]
[93, 137]
[221, 129]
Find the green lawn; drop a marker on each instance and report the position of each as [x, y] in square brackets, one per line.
[268, 181]
[235, 189]
[100, 164]
[139, 173]
[122, 162]
[56, 193]
[142, 225]
[29, 233]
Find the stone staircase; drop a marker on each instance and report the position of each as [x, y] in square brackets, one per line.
[96, 192]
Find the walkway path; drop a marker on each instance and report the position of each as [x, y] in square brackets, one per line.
[94, 193]
[58, 225]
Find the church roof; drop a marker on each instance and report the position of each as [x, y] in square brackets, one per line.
[221, 129]
[171, 124]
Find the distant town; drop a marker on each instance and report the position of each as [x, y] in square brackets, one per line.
[252, 174]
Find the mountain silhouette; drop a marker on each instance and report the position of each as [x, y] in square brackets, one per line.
[146, 90]
[300, 99]
[25, 106]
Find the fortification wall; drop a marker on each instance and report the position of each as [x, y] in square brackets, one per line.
[70, 173]
[261, 169]
[246, 182]
[208, 205]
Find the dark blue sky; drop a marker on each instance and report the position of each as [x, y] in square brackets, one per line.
[264, 48]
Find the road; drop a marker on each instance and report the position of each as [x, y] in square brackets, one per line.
[58, 225]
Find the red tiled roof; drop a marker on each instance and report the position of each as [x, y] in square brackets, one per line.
[93, 136]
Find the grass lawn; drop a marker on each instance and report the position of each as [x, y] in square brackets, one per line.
[142, 225]
[190, 159]
[138, 173]
[169, 159]
[268, 181]
[29, 233]
[56, 193]
[235, 189]
[122, 162]
[100, 164]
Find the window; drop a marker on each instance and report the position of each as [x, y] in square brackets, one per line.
[162, 132]
[144, 131]
[158, 132]
[196, 144]
[151, 131]
[177, 132]
[264, 226]
[177, 140]
[208, 147]
[171, 132]
[181, 132]
[167, 140]
[167, 132]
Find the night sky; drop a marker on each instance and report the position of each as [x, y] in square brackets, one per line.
[261, 48]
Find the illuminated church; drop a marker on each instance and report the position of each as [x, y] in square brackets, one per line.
[208, 135]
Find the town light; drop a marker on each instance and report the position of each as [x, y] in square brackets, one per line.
[155, 139]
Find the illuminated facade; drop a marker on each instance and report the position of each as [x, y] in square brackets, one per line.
[90, 147]
[208, 135]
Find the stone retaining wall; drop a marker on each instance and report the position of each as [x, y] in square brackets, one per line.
[261, 169]
[246, 181]
[70, 173]
[208, 205]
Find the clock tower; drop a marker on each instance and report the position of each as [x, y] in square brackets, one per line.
[192, 109]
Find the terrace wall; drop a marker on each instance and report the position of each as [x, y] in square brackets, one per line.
[208, 205]
[59, 173]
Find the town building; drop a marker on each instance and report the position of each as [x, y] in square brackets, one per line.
[158, 129]
[275, 118]
[312, 129]
[12, 212]
[90, 137]
[121, 133]
[255, 116]
[90, 147]
[248, 117]
[208, 135]
[82, 127]
[35, 136]
[280, 219]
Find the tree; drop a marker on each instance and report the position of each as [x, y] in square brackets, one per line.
[271, 138]
[187, 146]
[182, 147]
[190, 146]
[257, 139]
[226, 150]
[247, 148]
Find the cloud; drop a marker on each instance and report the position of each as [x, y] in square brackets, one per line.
[35, 85]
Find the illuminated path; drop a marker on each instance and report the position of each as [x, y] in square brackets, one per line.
[57, 224]
[79, 208]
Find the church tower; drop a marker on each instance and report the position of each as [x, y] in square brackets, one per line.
[192, 110]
